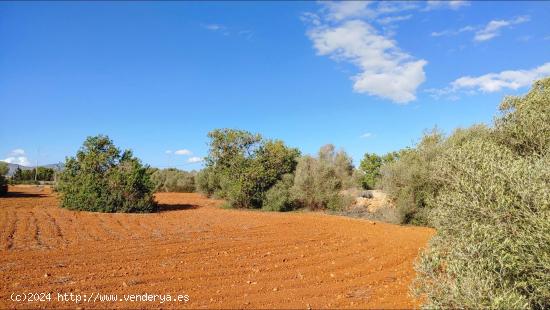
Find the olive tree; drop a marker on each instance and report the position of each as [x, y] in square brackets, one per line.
[101, 178]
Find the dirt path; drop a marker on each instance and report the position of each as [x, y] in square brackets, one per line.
[219, 258]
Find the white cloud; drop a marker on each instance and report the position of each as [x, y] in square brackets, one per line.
[453, 4]
[348, 9]
[393, 19]
[194, 159]
[183, 152]
[453, 32]
[17, 152]
[492, 82]
[217, 28]
[366, 135]
[20, 160]
[385, 70]
[343, 10]
[17, 156]
[168, 152]
[492, 29]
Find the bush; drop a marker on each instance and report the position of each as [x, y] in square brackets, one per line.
[207, 182]
[3, 182]
[319, 182]
[241, 167]
[409, 179]
[492, 213]
[173, 180]
[278, 197]
[370, 168]
[101, 178]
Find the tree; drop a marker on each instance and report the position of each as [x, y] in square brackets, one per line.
[4, 169]
[102, 178]
[173, 180]
[18, 174]
[241, 166]
[370, 165]
[319, 182]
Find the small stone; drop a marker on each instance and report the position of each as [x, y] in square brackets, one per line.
[46, 275]
[275, 289]
[124, 284]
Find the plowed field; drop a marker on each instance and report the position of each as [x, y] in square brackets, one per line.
[219, 258]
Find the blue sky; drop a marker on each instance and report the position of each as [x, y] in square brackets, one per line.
[156, 77]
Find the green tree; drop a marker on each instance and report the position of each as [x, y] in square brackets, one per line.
[241, 166]
[370, 165]
[4, 169]
[102, 178]
[17, 175]
[173, 180]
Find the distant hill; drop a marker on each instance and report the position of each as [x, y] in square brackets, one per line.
[13, 167]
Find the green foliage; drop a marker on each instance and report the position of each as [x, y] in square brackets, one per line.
[492, 213]
[101, 178]
[370, 164]
[4, 169]
[3, 182]
[23, 176]
[278, 197]
[370, 168]
[319, 182]
[208, 182]
[173, 180]
[409, 179]
[241, 167]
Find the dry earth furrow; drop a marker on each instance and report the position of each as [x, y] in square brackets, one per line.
[220, 258]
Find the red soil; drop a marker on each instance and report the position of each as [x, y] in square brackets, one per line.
[219, 258]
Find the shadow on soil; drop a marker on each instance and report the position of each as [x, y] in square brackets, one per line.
[176, 207]
[24, 195]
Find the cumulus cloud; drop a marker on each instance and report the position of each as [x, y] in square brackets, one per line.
[510, 79]
[17, 156]
[493, 82]
[493, 28]
[385, 70]
[183, 152]
[366, 135]
[194, 159]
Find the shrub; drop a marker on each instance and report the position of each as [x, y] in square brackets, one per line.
[319, 182]
[241, 167]
[370, 168]
[207, 182]
[278, 197]
[492, 213]
[3, 182]
[101, 178]
[409, 179]
[173, 180]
